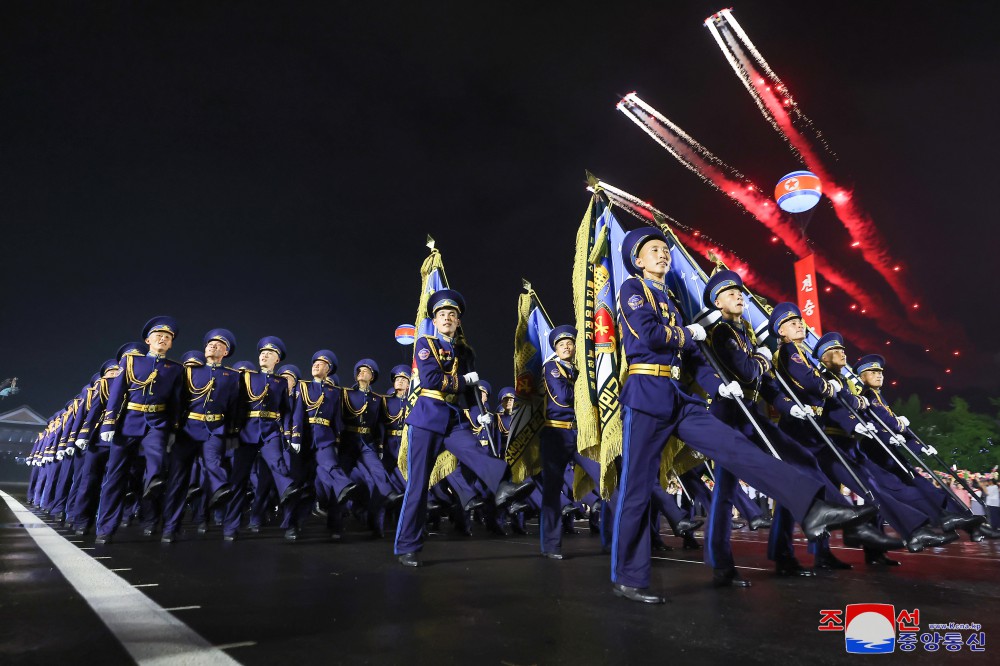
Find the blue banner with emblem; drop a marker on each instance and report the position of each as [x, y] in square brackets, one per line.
[531, 350]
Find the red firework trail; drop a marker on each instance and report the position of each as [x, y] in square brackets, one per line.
[755, 282]
[775, 102]
[730, 182]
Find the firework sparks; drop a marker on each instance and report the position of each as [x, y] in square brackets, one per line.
[716, 173]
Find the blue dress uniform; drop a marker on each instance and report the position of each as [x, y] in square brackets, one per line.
[264, 416]
[302, 463]
[735, 346]
[318, 414]
[655, 407]
[211, 400]
[504, 417]
[900, 502]
[65, 455]
[59, 452]
[913, 491]
[392, 415]
[821, 397]
[436, 423]
[557, 440]
[359, 446]
[937, 497]
[95, 457]
[78, 445]
[142, 412]
[483, 432]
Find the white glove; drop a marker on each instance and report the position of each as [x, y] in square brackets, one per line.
[724, 391]
[107, 436]
[295, 446]
[862, 402]
[872, 428]
[898, 440]
[928, 450]
[904, 421]
[835, 385]
[81, 444]
[70, 450]
[862, 430]
[697, 331]
[735, 389]
[764, 351]
[798, 412]
[485, 419]
[471, 378]
[60, 454]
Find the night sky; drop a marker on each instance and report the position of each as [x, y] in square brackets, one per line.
[274, 168]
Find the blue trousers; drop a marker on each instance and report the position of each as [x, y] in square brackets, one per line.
[557, 449]
[645, 436]
[181, 459]
[424, 447]
[243, 460]
[64, 482]
[78, 481]
[95, 461]
[123, 452]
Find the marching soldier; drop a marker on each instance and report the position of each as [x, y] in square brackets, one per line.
[208, 417]
[557, 437]
[393, 414]
[96, 452]
[142, 413]
[734, 344]
[358, 442]
[265, 410]
[435, 422]
[871, 369]
[319, 414]
[657, 346]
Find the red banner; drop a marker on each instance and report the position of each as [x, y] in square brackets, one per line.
[808, 291]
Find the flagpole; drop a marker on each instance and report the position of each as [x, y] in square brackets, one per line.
[534, 297]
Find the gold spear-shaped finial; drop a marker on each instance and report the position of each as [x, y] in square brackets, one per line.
[430, 242]
[525, 285]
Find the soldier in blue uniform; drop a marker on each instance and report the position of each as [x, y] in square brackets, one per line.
[899, 500]
[435, 422]
[657, 346]
[557, 438]
[319, 416]
[359, 445]
[871, 369]
[95, 451]
[393, 413]
[66, 453]
[81, 439]
[480, 421]
[735, 346]
[892, 485]
[208, 417]
[265, 411]
[821, 397]
[142, 412]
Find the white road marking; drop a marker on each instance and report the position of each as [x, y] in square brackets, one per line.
[151, 636]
